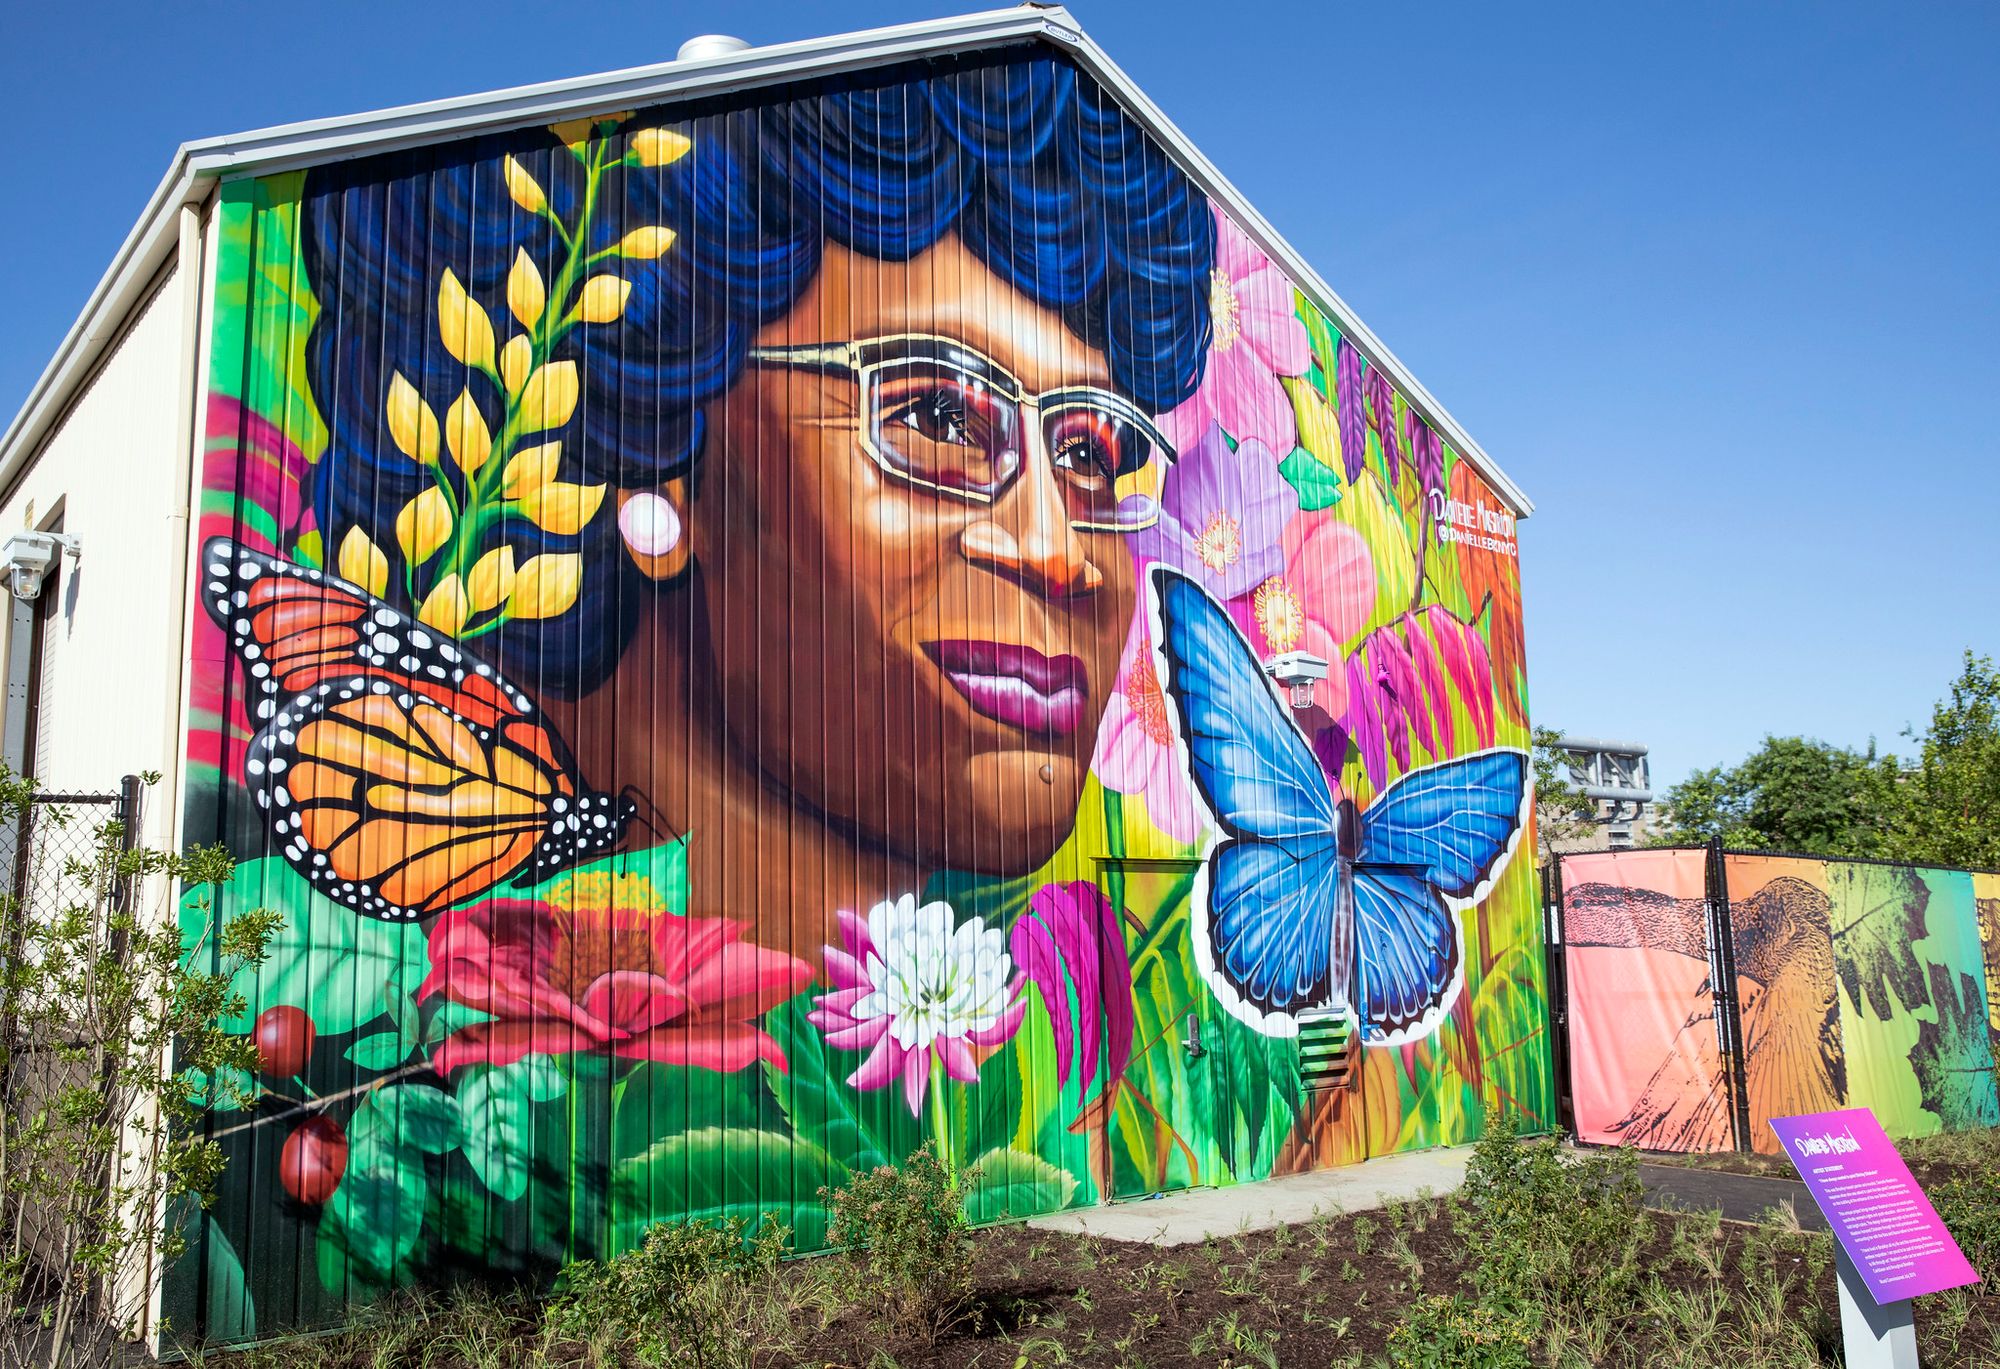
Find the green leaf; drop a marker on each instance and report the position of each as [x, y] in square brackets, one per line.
[307, 551]
[227, 1090]
[724, 1172]
[324, 959]
[817, 1100]
[231, 1316]
[1370, 511]
[1011, 1183]
[1318, 484]
[380, 1051]
[423, 1117]
[495, 1109]
[374, 1219]
[452, 1017]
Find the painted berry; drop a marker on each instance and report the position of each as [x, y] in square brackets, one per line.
[314, 1158]
[284, 1037]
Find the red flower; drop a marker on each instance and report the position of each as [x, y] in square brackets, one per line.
[640, 985]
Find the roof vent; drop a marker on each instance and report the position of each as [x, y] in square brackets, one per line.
[709, 45]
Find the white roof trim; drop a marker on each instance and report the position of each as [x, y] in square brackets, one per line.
[198, 165]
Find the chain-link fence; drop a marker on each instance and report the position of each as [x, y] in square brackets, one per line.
[57, 853]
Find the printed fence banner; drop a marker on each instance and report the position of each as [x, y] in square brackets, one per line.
[736, 640]
[1645, 1064]
[1857, 984]
[1780, 921]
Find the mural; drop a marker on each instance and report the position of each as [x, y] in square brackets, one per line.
[1858, 985]
[737, 645]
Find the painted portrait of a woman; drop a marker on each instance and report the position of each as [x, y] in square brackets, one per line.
[755, 660]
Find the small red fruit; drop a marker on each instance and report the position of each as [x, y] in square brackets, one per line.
[284, 1037]
[314, 1158]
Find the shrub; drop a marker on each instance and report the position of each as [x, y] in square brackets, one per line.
[101, 1160]
[1548, 1234]
[1970, 1207]
[1457, 1333]
[913, 1257]
[689, 1297]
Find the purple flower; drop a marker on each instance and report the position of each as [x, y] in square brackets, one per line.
[1426, 451]
[1382, 399]
[1222, 516]
[1353, 421]
[1070, 938]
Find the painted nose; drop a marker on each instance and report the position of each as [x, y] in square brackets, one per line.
[1027, 538]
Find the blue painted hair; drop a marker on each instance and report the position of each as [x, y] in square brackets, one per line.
[1041, 174]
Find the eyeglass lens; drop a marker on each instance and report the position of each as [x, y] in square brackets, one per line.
[947, 428]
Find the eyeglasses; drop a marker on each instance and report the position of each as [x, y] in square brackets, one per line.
[945, 418]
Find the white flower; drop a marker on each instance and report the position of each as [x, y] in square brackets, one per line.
[915, 989]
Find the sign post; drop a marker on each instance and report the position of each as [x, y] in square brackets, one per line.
[1890, 1245]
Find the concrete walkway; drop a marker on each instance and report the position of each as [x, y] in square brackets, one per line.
[1196, 1214]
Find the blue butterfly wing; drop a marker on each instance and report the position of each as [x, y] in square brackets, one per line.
[1438, 833]
[1406, 953]
[1270, 921]
[1266, 936]
[1259, 777]
[1455, 821]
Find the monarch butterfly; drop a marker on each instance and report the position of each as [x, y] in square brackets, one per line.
[400, 774]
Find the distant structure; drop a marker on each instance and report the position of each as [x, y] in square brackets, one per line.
[1614, 776]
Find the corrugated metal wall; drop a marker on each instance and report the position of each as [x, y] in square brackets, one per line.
[736, 636]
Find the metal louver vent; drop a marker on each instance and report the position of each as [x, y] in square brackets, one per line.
[1329, 1051]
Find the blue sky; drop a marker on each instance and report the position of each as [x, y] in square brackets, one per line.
[1718, 284]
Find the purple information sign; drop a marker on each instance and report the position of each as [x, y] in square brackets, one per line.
[1881, 1218]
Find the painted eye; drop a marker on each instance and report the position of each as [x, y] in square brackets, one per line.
[938, 414]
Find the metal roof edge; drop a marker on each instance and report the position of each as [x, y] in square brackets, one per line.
[199, 164]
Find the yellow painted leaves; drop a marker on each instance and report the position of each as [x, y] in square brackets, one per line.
[644, 244]
[492, 579]
[525, 189]
[546, 585]
[446, 607]
[363, 563]
[423, 526]
[548, 398]
[552, 505]
[463, 324]
[466, 435]
[527, 296]
[603, 299]
[656, 147]
[413, 426]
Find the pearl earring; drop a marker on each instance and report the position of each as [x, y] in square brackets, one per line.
[655, 536]
[649, 525]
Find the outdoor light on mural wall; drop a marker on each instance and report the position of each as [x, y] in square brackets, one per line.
[30, 556]
[1296, 673]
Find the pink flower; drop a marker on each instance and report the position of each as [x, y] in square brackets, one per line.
[917, 993]
[1070, 937]
[1135, 745]
[1255, 338]
[635, 984]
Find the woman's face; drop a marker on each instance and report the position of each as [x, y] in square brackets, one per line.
[926, 671]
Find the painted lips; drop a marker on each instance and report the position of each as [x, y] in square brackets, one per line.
[1016, 685]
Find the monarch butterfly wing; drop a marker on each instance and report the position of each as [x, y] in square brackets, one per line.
[295, 628]
[397, 805]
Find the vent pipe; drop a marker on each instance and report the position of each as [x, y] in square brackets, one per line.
[709, 45]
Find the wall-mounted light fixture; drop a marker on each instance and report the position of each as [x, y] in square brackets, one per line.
[30, 556]
[1296, 673]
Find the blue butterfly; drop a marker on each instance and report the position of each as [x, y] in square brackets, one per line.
[1310, 907]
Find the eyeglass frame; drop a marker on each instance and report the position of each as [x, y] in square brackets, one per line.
[845, 358]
